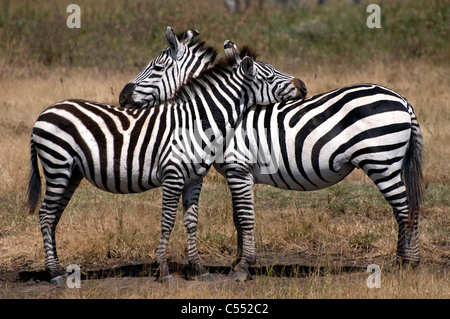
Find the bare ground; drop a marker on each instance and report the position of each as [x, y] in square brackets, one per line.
[137, 279]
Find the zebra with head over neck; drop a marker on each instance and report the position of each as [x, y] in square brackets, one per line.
[314, 143]
[185, 57]
[127, 151]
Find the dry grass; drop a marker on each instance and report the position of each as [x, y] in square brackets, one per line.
[349, 222]
[42, 62]
[326, 47]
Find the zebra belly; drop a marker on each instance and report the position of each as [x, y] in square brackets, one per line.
[284, 179]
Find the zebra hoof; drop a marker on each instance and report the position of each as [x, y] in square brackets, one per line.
[407, 264]
[169, 280]
[239, 276]
[206, 277]
[57, 275]
[58, 280]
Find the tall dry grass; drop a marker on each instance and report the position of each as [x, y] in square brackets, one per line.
[347, 223]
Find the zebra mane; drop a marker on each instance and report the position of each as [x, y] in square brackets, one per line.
[209, 53]
[247, 51]
[188, 90]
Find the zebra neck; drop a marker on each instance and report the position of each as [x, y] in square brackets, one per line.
[205, 55]
[208, 120]
[217, 98]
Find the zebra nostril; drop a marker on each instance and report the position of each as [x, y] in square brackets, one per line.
[303, 89]
[126, 93]
[300, 86]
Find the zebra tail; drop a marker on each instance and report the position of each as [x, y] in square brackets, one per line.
[413, 172]
[34, 183]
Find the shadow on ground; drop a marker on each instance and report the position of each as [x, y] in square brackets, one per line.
[184, 270]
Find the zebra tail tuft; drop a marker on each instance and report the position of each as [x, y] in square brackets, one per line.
[34, 183]
[413, 173]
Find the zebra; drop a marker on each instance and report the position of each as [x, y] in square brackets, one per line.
[122, 150]
[313, 143]
[186, 56]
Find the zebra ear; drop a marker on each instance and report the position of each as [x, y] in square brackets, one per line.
[248, 66]
[174, 44]
[232, 52]
[191, 34]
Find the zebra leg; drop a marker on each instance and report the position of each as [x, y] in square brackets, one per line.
[241, 188]
[408, 241]
[394, 191]
[191, 195]
[171, 196]
[49, 216]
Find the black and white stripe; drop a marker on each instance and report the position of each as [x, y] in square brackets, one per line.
[125, 151]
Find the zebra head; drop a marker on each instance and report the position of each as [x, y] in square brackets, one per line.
[270, 85]
[184, 57]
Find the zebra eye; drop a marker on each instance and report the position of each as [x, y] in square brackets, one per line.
[271, 78]
[158, 68]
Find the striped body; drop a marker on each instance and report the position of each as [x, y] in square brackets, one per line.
[316, 142]
[117, 150]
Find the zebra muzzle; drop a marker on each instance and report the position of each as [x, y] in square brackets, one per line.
[126, 95]
[300, 86]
